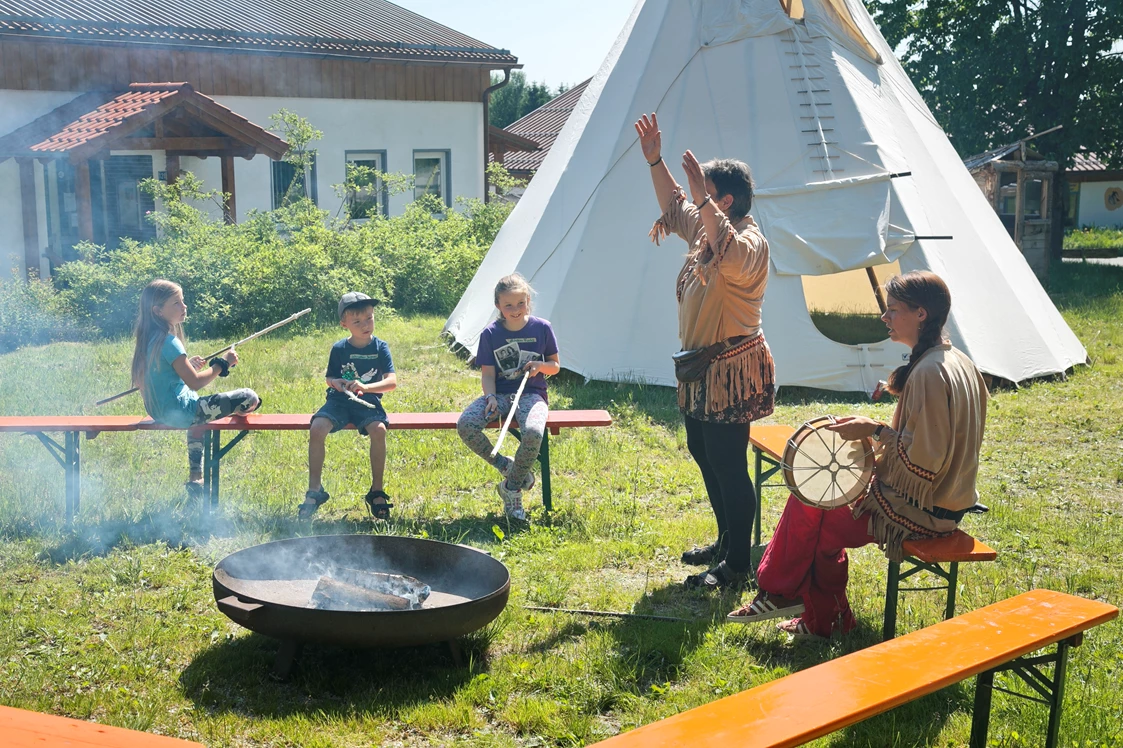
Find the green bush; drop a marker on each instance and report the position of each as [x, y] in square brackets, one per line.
[33, 313]
[1093, 238]
[238, 277]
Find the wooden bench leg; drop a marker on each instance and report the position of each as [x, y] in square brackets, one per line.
[1050, 691]
[213, 452]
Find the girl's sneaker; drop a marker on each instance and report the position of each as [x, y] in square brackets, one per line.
[512, 501]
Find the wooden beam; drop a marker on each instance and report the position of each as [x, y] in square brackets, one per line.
[30, 206]
[230, 213]
[82, 196]
[171, 168]
[176, 144]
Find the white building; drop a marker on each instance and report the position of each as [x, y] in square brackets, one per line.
[90, 104]
[1095, 193]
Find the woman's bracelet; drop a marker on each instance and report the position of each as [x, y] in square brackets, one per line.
[655, 163]
[703, 203]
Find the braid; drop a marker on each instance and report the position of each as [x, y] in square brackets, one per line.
[920, 288]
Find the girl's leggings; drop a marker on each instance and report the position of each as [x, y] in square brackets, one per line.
[212, 407]
[531, 419]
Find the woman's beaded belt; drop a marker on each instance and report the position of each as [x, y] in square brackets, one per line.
[738, 348]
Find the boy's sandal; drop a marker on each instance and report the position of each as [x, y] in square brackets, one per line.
[312, 501]
[719, 577]
[763, 608]
[700, 556]
[378, 509]
[797, 629]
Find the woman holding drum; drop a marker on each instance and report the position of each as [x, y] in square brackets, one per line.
[923, 480]
[725, 371]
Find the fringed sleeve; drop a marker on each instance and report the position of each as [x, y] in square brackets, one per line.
[679, 217]
[917, 451]
[741, 256]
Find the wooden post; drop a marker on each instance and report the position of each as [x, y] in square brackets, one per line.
[171, 168]
[82, 196]
[876, 289]
[30, 206]
[230, 213]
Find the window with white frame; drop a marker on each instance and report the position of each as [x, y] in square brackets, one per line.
[368, 197]
[431, 175]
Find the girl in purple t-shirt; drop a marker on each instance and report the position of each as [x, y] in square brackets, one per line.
[515, 344]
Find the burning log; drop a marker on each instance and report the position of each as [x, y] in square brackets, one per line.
[353, 589]
[331, 594]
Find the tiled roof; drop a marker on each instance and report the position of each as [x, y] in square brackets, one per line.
[94, 121]
[542, 126]
[1084, 161]
[110, 115]
[363, 28]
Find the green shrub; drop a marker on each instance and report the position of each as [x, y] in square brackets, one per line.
[33, 313]
[1093, 238]
[248, 275]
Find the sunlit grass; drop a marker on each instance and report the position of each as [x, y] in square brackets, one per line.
[114, 620]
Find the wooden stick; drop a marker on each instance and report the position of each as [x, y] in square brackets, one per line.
[257, 334]
[611, 614]
[359, 400]
[876, 289]
[510, 416]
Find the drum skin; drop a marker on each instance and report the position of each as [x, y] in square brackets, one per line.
[822, 469]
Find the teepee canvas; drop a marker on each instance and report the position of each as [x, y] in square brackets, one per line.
[851, 171]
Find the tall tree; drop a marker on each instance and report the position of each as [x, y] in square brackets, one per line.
[994, 71]
[518, 98]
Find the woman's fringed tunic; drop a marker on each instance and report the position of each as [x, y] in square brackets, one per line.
[720, 290]
[931, 461]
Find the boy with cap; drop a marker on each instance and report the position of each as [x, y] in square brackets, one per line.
[360, 371]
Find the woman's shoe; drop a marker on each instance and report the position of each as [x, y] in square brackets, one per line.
[703, 556]
[797, 629]
[719, 577]
[764, 607]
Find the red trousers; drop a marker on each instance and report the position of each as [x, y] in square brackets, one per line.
[806, 559]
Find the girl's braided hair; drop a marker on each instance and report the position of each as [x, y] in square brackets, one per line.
[920, 289]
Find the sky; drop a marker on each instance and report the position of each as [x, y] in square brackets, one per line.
[555, 42]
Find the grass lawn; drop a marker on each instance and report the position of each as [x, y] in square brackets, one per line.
[114, 620]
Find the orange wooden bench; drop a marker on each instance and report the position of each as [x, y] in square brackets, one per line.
[68, 454]
[20, 728]
[769, 442]
[800, 707]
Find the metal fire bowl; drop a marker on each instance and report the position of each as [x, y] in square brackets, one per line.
[266, 588]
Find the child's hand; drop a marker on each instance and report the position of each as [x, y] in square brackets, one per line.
[196, 362]
[491, 407]
[231, 357]
[357, 387]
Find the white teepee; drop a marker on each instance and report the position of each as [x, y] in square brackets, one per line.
[851, 171]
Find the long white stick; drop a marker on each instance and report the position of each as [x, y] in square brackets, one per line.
[359, 400]
[257, 334]
[510, 416]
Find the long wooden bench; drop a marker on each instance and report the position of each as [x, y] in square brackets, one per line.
[68, 454]
[803, 706]
[20, 728]
[939, 556]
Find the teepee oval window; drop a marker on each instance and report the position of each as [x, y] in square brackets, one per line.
[844, 307]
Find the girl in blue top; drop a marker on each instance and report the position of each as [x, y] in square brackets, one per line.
[167, 378]
[515, 344]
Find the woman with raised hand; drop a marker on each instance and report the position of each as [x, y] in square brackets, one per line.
[725, 371]
[923, 482]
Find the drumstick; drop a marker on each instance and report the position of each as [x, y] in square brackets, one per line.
[358, 399]
[507, 425]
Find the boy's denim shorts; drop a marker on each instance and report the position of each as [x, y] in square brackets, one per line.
[343, 412]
